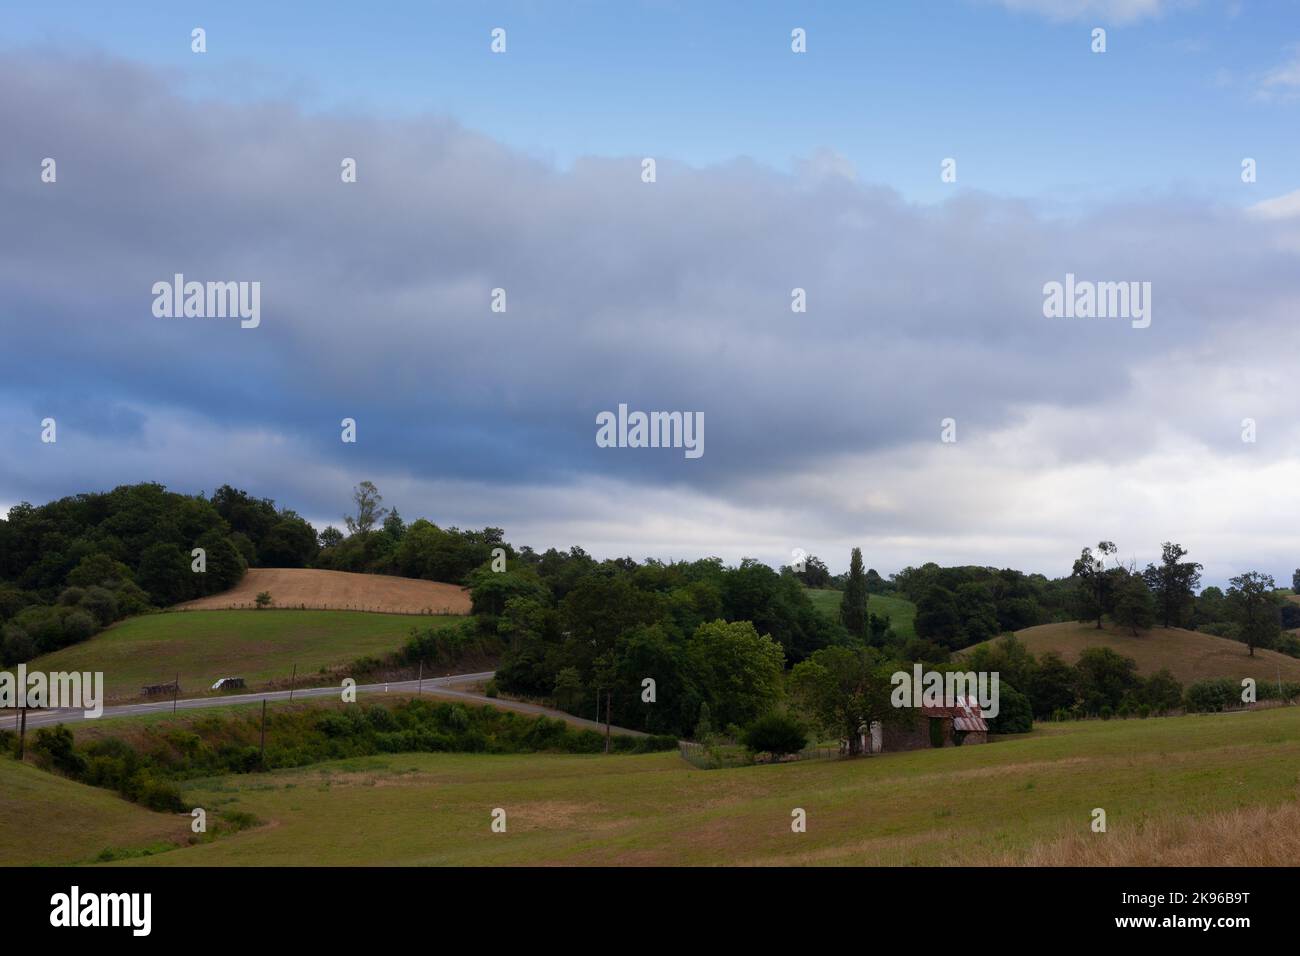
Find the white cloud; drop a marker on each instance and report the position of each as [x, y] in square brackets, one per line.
[1283, 81]
[1113, 11]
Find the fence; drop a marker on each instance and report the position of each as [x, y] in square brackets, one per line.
[730, 754]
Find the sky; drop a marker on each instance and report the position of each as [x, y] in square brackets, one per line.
[775, 170]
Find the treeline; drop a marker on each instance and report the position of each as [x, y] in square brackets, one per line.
[1104, 683]
[579, 631]
[73, 566]
[961, 606]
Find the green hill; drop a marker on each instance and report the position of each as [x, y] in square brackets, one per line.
[1215, 790]
[901, 612]
[259, 646]
[1188, 655]
[50, 820]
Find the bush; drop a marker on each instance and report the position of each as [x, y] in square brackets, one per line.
[1015, 712]
[1212, 696]
[54, 746]
[776, 733]
[490, 689]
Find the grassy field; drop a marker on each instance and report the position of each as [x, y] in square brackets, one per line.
[258, 646]
[1189, 655]
[1015, 800]
[901, 612]
[49, 820]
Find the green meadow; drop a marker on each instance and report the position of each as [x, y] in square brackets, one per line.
[1000, 802]
[259, 646]
[900, 611]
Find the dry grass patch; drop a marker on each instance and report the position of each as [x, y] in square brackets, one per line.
[339, 590]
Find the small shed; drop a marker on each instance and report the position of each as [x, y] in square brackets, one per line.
[946, 726]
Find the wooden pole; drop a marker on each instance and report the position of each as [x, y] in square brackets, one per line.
[263, 757]
[420, 687]
[22, 735]
[607, 696]
[292, 680]
[176, 689]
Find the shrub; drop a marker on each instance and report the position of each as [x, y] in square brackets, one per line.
[264, 599]
[490, 689]
[1212, 695]
[776, 733]
[54, 746]
[1015, 712]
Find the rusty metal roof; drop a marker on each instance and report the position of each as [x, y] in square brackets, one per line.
[966, 715]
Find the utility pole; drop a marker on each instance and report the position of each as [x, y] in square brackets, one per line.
[419, 689]
[293, 680]
[176, 690]
[263, 757]
[607, 697]
[22, 734]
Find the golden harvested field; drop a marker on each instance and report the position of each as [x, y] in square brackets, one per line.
[339, 591]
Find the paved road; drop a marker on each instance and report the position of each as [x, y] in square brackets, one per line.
[441, 686]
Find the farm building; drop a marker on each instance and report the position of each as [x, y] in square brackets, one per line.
[930, 727]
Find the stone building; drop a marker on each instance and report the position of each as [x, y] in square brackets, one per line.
[929, 727]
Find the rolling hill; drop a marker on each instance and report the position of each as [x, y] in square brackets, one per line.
[50, 820]
[901, 612]
[338, 591]
[258, 646]
[1213, 790]
[1188, 655]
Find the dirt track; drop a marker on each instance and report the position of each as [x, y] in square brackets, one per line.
[340, 591]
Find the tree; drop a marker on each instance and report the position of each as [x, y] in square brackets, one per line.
[1173, 583]
[568, 691]
[977, 611]
[853, 606]
[331, 537]
[937, 618]
[815, 574]
[1103, 677]
[1250, 598]
[164, 572]
[289, 543]
[1015, 712]
[844, 689]
[1052, 685]
[1211, 607]
[394, 526]
[1135, 608]
[1295, 580]
[368, 499]
[737, 671]
[225, 565]
[775, 733]
[1094, 579]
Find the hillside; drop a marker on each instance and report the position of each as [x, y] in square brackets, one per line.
[901, 612]
[1188, 655]
[256, 645]
[1216, 790]
[339, 590]
[50, 820]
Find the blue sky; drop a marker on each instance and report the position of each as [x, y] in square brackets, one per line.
[776, 171]
[1016, 95]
